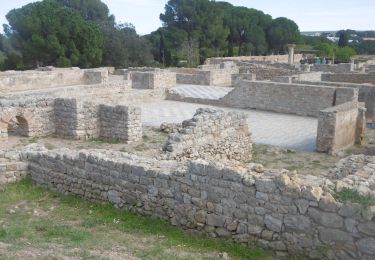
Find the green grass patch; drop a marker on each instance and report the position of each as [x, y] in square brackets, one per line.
[73, 222]
[104, 141]
[350, 195]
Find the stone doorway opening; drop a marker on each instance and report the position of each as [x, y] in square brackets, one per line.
[18, 126]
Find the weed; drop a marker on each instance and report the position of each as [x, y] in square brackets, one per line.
[347, 194]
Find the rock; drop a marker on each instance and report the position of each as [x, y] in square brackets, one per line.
[273, 224]
[254, 230]
[222, 232]
[366, 246]
[232, 226]
[241, 228]
[265, 185]
[328, 203]
[312, 193]
[257, 168]
[215, 220]
[201, 216]
[297, 223]
[350, 209]
[334, 235]
[367, 228]
[302, 205]
[331, 220]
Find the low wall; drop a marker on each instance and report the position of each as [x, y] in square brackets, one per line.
[11, 168]
[350, 78]
[270, 58]
[334, 68]
[277, 209]
[120, 123]
[366, 92]
[86, 120]
[198, 78]
[153, 79]
[26, 117]
[306, 100]
[27, 80]
[211, 134]
[340, 127]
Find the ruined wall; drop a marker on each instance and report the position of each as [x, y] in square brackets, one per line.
[11, 167]
[334, 68]
[340, 127]
[196, 78]
[306, 100]
[11, 81]
[270, 58]
[159, 79]
[350, 78]
[366, 92]
[26, 117]
[277, 209]
[120, 123]
[87, 120]
[212, 134]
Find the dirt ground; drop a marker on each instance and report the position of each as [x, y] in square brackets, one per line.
[153, 140]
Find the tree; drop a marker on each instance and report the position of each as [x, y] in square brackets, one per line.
[281, 32]
[122, 47]
[49, 34]
[344, 39]
[247, 29]
[325, 50]
[344, 54]
[200, 24]
[366, 47]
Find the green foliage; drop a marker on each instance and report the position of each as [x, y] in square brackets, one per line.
[200, 32]
[343, 55]
[325, 50]
[281, 32]
[344, 39]
[349, 195]
[49, 34]
[366, 47]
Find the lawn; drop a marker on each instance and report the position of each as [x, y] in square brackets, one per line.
[38, 224]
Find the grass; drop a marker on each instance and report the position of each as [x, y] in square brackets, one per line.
[350, 195]
[72, 223]
[104, 141]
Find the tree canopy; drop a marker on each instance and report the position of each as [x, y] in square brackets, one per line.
[46, 33]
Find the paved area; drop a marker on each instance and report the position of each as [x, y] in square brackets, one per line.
[204, 92]
[281, 130]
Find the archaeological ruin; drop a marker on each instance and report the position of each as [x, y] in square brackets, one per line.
[203, 176]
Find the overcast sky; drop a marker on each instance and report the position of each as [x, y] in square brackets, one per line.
[316, 15]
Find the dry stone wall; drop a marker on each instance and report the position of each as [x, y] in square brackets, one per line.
[157, 79]
[120, 123]
[12, 168]
[306, 100]
[278, 209]
[333, 68]
[38, 79]
[211, 134]
[350, 78]
[340, 127]
[87, 120]
[366, 92]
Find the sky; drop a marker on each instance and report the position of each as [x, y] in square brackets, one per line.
[316, 15]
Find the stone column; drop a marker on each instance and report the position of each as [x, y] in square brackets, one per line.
[291, 53]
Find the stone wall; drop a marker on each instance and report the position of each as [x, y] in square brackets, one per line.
[267, 71]
[87, 120]
[211, 134]
[270, 58]
[120, 123]
[366, 92]
[26, 117]
[306, 100]
[11, 167]
[34, 79]
[340, 127]
[279, 210]
[158, 79]
[195, 78]
[75, 119]
[334, 68]
[350, 78]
